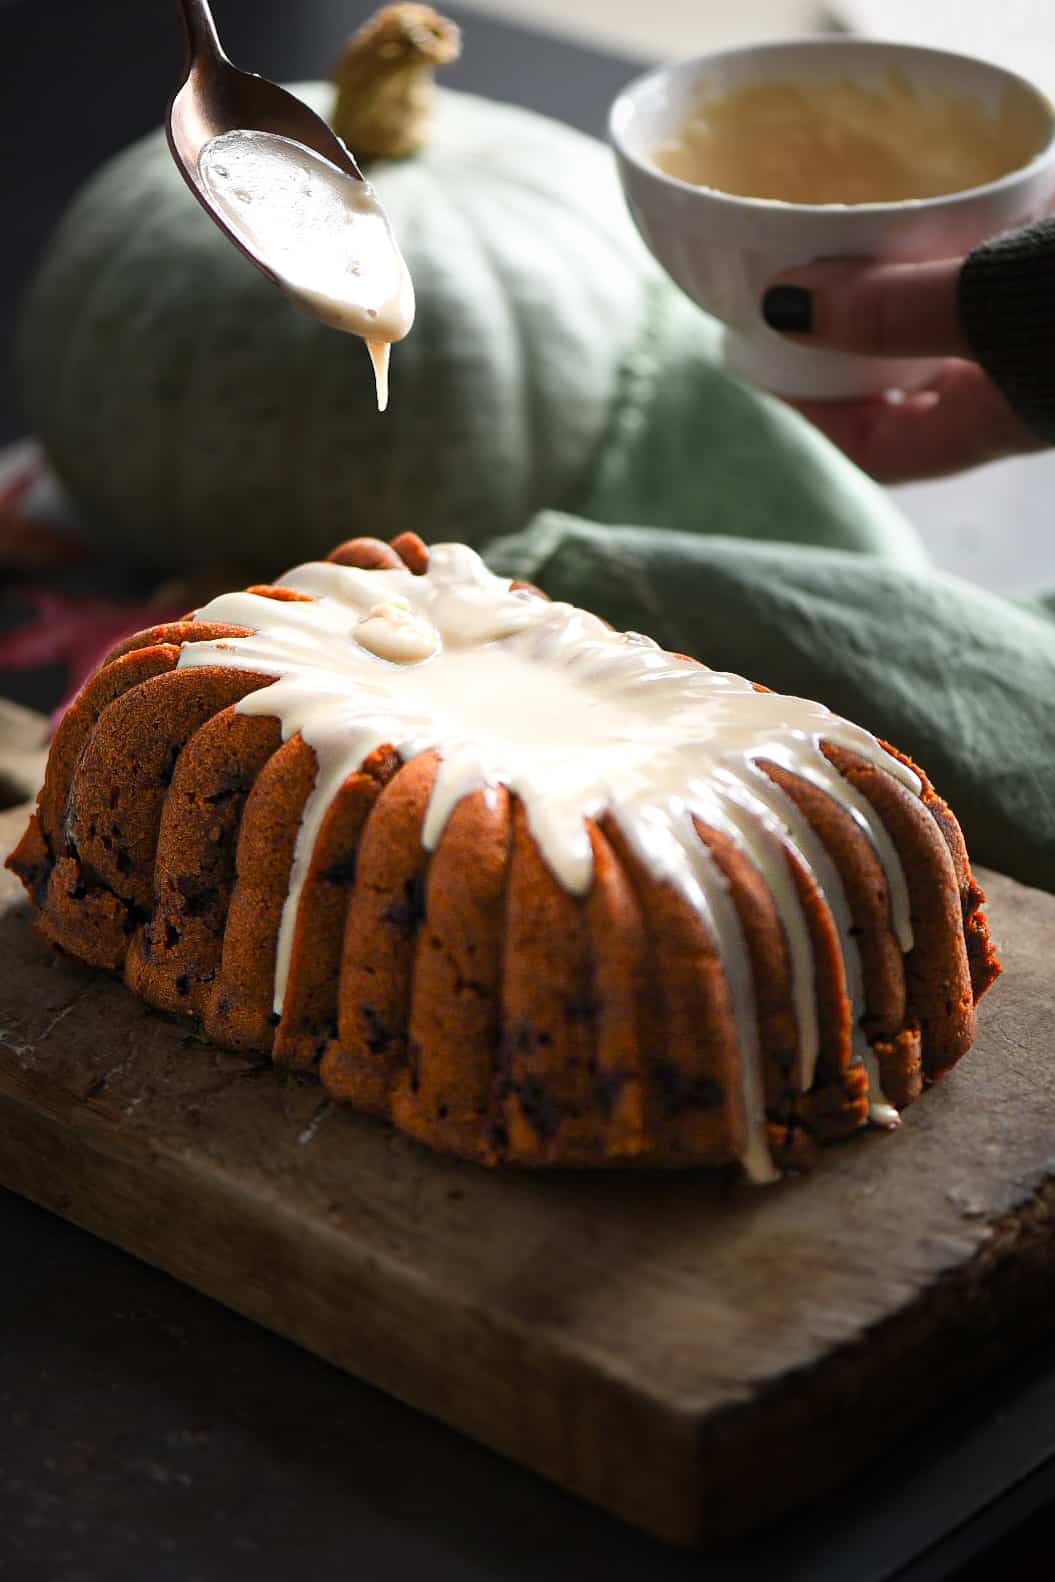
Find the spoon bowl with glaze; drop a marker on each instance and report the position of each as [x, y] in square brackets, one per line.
[283, 188]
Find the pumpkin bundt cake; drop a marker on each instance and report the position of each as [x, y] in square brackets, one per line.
[534, 889]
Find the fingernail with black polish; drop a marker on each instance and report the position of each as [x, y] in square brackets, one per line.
[788, 308]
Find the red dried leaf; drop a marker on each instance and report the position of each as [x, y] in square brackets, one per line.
[76, 630]
[26, 540]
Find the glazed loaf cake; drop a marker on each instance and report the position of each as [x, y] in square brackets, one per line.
[533, 889]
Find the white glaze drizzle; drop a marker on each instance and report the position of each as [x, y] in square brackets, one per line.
[814, 855]
[578, 721]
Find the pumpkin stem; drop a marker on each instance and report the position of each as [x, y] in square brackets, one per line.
[385, 83]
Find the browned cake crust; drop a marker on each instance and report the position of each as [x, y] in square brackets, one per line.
[465, 994]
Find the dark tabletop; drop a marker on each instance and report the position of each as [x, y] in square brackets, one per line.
[148, 1435]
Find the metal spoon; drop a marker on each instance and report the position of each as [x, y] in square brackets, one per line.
[216, 97]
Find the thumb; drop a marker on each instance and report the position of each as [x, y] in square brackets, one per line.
[887, 310]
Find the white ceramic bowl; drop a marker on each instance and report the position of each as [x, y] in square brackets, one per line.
[723, 250]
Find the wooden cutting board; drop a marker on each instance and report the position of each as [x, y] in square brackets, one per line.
[695, 1356]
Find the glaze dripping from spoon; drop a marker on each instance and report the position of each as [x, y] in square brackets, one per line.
[326, 237]
[285, 190]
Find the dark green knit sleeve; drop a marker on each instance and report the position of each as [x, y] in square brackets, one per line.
[1007, 309]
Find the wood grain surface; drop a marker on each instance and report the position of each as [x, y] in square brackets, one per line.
[694, 1355]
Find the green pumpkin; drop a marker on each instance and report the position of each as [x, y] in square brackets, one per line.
[195, 414]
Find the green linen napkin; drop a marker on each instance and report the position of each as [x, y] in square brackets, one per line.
[962, 680]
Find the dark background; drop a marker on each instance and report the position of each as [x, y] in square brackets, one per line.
[148, 1435]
